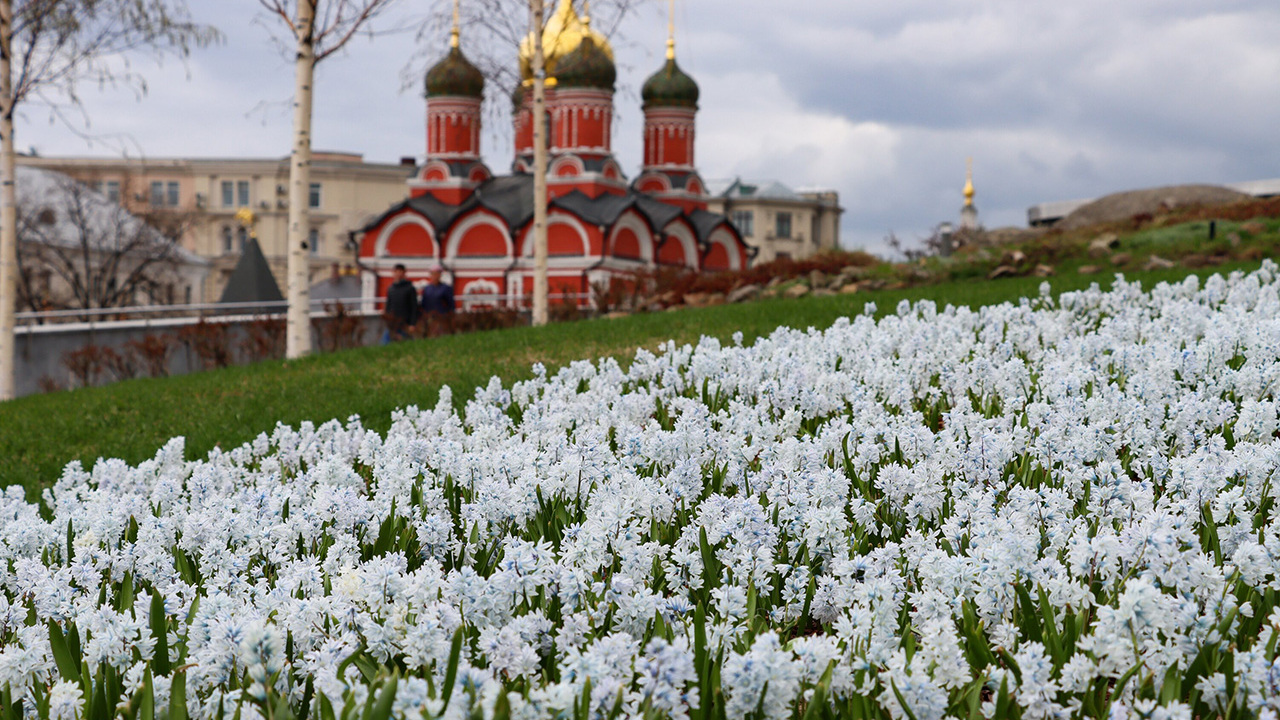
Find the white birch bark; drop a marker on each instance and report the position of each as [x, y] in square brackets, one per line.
[298, 319]
[8, 209]
[539, 168]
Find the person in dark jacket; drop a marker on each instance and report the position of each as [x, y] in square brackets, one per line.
[437, 304]
[401, 312]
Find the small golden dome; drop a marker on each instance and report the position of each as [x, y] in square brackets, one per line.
[562, 35]
[968, 184]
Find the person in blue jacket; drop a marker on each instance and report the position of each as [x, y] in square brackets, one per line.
[437, 304]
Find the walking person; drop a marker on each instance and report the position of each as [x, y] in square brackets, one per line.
[401, 312]
[437, 304]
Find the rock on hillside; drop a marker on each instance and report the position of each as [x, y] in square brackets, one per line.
[1125, 205]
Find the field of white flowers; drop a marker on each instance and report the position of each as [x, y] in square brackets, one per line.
[1062, 508]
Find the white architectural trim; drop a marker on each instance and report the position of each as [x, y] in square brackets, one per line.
[679, 231]
[559, 217]
[721, 236]
[459, 231]
[630, 219]
[407, 218]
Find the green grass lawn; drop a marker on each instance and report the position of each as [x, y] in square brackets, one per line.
[224, 408]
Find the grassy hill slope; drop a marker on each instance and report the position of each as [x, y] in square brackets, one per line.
[132, 419]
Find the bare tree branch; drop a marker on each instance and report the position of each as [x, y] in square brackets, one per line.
[101, 255]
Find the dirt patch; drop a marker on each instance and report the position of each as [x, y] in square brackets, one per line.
[1148, 203]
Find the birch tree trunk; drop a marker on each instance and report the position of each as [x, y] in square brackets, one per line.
[539, 167]
[298, 320]
[8, 209]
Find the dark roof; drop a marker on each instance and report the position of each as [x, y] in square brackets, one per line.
[251, 280]
[705, 222]
[587, 66]
[670, 87]
[607, 208]
[511, 197]
[455, 75]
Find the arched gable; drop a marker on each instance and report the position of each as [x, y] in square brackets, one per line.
[406, 235]
[566, 237]
[631, 228]
[566, 166]
[653, 183]
[435, 171]
[479, 234]
[611, 170]
[723, 251]
[680, 247]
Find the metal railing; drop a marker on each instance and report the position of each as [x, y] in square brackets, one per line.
[320, 307]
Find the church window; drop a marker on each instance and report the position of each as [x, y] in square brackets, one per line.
[745, 221]
[783, 229]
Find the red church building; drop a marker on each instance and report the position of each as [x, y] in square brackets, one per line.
[477, 227]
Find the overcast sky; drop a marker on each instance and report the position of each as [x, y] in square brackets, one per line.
[1054, 99]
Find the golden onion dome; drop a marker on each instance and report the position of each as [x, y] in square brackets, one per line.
[968, 184]
[562, 34]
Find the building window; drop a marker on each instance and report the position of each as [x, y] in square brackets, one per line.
[242, 237]
[816, 230]
[783, 229]
[313, 197]
[164, 193]
[227, 246]
[108, 188]
[228, 193]
[745, 220]
[242, 193]
[313, 240]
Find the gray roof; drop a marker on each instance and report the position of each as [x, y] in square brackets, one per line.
[705, 223]
[607, 208]
[511, 197]
[740, 188]
[251, 280]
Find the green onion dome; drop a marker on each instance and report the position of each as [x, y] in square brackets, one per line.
[455, 76]
[670, 87]
[588, 66]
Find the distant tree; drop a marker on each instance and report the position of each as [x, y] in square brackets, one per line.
[46, 48]
[79, 250]
[319, 29]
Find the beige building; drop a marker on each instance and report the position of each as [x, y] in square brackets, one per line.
[776, 220]
[203, 196]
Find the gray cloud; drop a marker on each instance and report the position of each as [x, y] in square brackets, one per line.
[881, 101]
